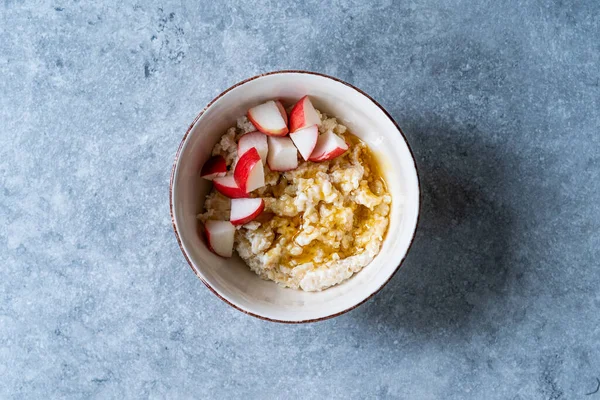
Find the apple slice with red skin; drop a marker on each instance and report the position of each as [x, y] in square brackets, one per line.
[282, 110]
[329, 146]
[219, 236]
[257, 140]
[268, 119]
[249, 173]
[303, 115]
[227, 186]
[305, 140]
[245, 210]
[213, 168]
[283, 155]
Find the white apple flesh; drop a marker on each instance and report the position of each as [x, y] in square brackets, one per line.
[245, 210]
[249, 173]
[267, 118]
[305, 140]
[258, 140]
[283, 155]
[282, 111]
[219, 236]
[303, 115]
[329, 146]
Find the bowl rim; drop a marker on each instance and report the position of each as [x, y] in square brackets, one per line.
[176, 161]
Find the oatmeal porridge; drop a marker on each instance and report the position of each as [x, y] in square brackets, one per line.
[319, 222]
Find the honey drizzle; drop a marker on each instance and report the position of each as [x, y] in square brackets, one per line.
[361, 213]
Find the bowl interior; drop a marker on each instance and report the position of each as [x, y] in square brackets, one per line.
[231, 278]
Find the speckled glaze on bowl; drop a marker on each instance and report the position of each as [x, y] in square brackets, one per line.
[230, 279]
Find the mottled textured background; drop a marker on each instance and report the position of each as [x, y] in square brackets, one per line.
[498, 299]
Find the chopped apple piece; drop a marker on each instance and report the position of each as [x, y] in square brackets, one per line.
[249, 173]
[213, 168]
[245, 210]
[283, 155]
[267, 118]
[305, 140]
[303, 115]
[219, 235]
[329, 146]
[228, 187]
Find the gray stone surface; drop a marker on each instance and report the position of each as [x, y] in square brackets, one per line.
[498, 298]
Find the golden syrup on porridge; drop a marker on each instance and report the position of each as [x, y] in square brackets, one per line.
[318, 250]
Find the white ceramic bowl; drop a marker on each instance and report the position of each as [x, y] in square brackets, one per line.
[230, 279]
